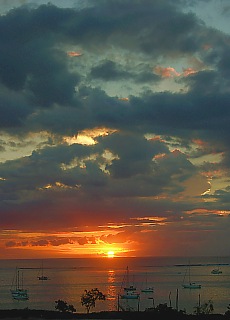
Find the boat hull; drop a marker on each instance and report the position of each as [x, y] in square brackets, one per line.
[147, 290]
[191, 286]
[19, 294]
[42, 278]
[216, 271]
[129, 296]
[130, 293]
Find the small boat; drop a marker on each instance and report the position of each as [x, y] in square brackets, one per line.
[190, 284]
[41, 275]
[216, 271]
[147, 289]
[129, 291]
[42, 278]
[18, 292]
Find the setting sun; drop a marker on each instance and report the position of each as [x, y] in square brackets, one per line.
[110, 254]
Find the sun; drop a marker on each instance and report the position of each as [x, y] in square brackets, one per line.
[110, 254]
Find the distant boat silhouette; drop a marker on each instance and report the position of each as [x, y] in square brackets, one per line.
[41, 275]
[189, 284]
[147, 289]
[216, 270]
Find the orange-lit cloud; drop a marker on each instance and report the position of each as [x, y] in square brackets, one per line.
[199, 142]
[170, 72]
[188, 71]
[159, 156]
[203, 211]
[88, 136]
[155, 138]
[74, 54]
[58, 185]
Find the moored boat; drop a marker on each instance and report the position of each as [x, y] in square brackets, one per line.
[147, 288]
[216, 271]
[41, 274]
[128, 291]
[18, 292]
[189, 284]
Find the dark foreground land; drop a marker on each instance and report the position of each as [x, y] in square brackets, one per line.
[18, 314]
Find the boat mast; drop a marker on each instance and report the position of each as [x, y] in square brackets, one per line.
[189, 276]
[17, 280]
[127, 276]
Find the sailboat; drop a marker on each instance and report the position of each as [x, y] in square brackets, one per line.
[216, 270]
[18, 292]
[41, 275]
[129, 291]
[190, 284]
[147, 289]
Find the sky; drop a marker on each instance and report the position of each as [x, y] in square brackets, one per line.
[114, 128]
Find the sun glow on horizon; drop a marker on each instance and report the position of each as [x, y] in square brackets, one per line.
[110, 254]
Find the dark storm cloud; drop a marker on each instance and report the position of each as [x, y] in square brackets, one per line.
[181, 113]
[42, 168]
[155, 27]
[36, 182]
[31, 51]
[30, 60]
[146, 77]
[52, 241]
[14, 109]
[108, 70]
[136, 151]
[162, 113]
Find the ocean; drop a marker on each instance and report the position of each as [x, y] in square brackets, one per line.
[68, 278]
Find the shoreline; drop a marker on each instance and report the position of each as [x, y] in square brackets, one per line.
[20, 314]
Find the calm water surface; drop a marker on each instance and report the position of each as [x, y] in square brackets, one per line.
[68, 278]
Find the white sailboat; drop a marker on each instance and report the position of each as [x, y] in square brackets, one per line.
[147, 289]
[17, 290]
[129, 291]
[189, 284]
[41, 274]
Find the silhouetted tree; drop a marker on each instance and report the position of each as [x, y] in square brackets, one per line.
[88, 298]
[205, 308]
[227, 313]
[64, 307]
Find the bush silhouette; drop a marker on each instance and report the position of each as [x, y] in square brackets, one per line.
[64, 307]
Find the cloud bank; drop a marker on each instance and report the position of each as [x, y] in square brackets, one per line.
[114, 124]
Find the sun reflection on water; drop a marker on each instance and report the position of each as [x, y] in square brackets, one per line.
[111, 290]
